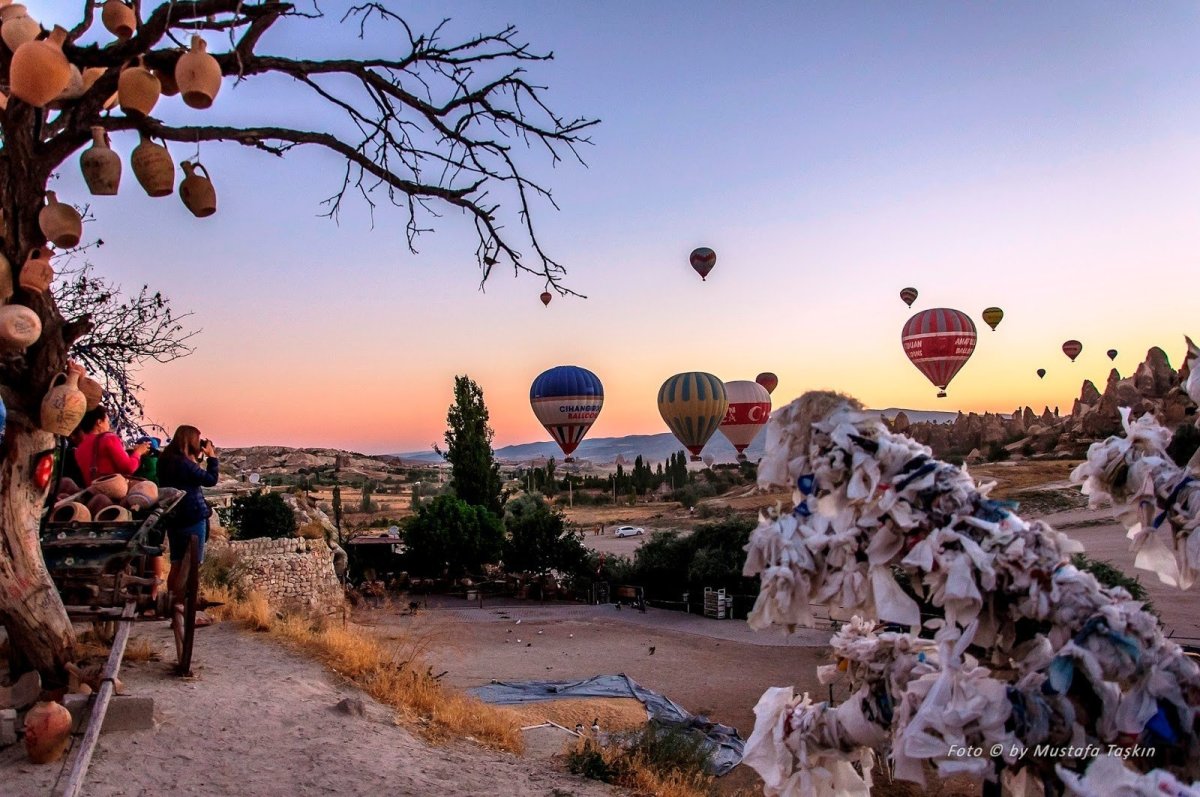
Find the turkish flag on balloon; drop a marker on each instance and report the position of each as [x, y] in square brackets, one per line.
[749, 408]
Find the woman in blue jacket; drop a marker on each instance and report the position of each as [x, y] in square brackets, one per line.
[178, 467]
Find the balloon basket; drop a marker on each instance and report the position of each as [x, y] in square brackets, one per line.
[941, 394]
[741, 457]
[697, 458]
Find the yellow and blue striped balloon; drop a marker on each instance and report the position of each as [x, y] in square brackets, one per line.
[693, 405]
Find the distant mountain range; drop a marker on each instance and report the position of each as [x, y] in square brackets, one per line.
[651, 447]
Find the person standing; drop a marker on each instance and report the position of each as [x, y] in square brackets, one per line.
[179, 467]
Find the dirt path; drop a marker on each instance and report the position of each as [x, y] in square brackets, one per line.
[260, 720]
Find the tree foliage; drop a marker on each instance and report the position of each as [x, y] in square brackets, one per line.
[539, 540]
[474, 473]
[260, 514]
[670, 563]
[449, 536]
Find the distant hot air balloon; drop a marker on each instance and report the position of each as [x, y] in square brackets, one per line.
[693, 404]
[768, 380]
[566, 399]
[703, 259]
[546, 297]
[709, 459]
[1041, 372]
[992, 317]
[909, 295]
[939, 342]
[1112, 354]
[748, 411]
[1072, 348]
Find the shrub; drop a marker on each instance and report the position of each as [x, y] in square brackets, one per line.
[450, 534]
[539, 540]
[661, 758]
[260, 514]
[216, 569]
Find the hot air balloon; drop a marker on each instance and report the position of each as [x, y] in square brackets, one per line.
[1041, 372]
[567, 399]
[748, 411]
[693, 404]
[703, 259]
[1112, 354]
[767, 380]
[546, 297]
[939, 342]
[1072, 348]
[909, 295]
[992, 317]
[709, 459]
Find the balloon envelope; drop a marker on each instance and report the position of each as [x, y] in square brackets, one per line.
[567, 399]
[939, 342]
[1112, 354]
[703, 259]
[909, 295]
[748, 411]
[992, 317]
[546, 297]
[1072, 348]
[768, 380]
[693, 404]
[1041, 372]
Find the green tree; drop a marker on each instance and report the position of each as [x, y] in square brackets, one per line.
[474, 474]
[539, 540]
[337, 508]
[260, 514]
[449, 535]
[365, 502]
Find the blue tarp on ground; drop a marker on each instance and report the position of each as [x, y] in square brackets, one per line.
[723, 741]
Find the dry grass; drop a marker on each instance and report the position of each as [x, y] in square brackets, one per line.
[613, 714]
[390, 673]
[1013, 476]
[635, 772]
[141, 649]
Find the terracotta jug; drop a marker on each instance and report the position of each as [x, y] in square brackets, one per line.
[197, 192]
[113, 514]
[71, 512]
[37, 274]
[113, 485]
[47, 731]
[97, 503]
[6, 281]
[16, 26]
[101, 166]
[20, 327]
[74, 90]
[119, 19]
[91, 75]
[198, 75]
[39, 70]
[138, 90]
[166, 79]
[153, 168]
[142, 494]
[63, 406]
[61, 224]
[92, 391]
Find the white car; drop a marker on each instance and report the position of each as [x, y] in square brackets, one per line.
[628, 531]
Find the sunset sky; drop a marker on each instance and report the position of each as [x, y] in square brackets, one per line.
[1040, 157]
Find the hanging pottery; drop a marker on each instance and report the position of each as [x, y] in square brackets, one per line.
[166, 79]
[119, 19]
[74, 90]
[198, 75]
[138, 90]
[39, 70]
[153, 168]
[47, 731]
[114, 514]
[20, 327]
[63, 405]
[6, 281]
[91, 75]
[61, 224]
[142, 494]
[17, 27]
[92, 391]
[101, 166]
[197, 192]
[114, 486]
[37, 274]
[71, 512]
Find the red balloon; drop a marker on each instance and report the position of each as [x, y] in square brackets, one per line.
[767, 380]
[909, 295]
[703, 259]
[1072, 348]
[546, 297]
[939, 342]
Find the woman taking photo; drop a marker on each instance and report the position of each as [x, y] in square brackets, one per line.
[178, 467]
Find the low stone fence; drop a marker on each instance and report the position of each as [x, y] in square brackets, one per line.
[290, 573]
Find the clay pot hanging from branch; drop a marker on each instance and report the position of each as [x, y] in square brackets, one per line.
[198, 75]
[39, 71]
[74, 90]
[196, 191]
[101, 166]
[119, 19]
[166, 79]
[92, 391]
[20, 327]
[6, 279]
[61, 224]
[16, 26]
[64, 405]
[36, 273]
[138, 90]
[153, 167]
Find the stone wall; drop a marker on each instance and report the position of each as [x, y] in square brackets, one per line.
[290, 572]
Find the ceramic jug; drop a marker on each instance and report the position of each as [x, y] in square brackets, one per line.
[198, 75]
[47, 731]
[39, 71]
[64, 405]
[138, 90]
[61, 224]
[20, 327]
[153, 168]
[37, 273]
[196, 191]
[16, 26]
[101, 166]
[119, 19]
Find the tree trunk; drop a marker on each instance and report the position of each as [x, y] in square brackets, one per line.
[30, 607]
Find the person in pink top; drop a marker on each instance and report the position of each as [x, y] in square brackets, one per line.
[101, 451]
